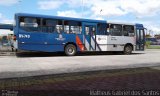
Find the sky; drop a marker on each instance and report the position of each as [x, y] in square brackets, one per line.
[146, 12]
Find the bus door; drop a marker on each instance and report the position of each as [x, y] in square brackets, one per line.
[89, 30]
[140, 39]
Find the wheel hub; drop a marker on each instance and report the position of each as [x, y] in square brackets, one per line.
[127, 49]
[70, 50]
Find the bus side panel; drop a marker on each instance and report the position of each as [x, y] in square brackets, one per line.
[80, 43]
[34, 41]
[76, 39]
[115, 43]
[39, 41]
[101, 41]
[43, 48]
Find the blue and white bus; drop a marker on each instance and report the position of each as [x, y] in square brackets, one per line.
[71, 35]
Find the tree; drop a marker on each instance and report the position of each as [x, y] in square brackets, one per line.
[148, 36]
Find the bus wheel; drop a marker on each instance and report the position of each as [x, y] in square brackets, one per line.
[70, 50]
[127, 50]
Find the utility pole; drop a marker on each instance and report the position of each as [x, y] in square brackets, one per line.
[19, 6]
[82, 7]
[101, 13]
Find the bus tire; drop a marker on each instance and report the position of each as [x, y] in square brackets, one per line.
[127, 50]
[70, 50]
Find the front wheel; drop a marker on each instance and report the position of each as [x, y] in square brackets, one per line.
[127, 50]
[70, 50]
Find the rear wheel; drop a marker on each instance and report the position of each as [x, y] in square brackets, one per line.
[127, 49]
[70, 50]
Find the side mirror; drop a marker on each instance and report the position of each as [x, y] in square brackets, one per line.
[145, 31]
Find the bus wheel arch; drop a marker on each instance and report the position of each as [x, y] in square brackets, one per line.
[128, 48]
[70, 49]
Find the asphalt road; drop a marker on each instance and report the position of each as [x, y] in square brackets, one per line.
[33, 64]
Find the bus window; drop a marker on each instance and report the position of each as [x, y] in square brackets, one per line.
[49, 25]
[102, 29]
[128, 30]
[93, 31]
[29, 24]
[59, 26]
[72, 27]
[87, 30]
[52, 26]
[116, 30]
[75, 29]
[66, 27]
[108, 31]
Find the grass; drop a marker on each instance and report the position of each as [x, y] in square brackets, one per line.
[153, 47]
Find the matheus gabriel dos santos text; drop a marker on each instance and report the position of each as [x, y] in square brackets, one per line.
[125, 92]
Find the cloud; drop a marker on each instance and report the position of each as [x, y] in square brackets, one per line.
[106, 9]
[3, 19]
[155, 28]
[50, 4]
[99, 18]
[76, 14]
[141, 8]
[7, 21]
[74, 3]
[69, 13]
[8, 2]
[55, 4]
[109, 8]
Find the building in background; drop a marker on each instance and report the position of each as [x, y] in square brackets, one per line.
[158, 38]
[153, 40]
[5, 42]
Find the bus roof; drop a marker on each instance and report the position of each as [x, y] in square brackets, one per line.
[140, 26]
[61, 17]
[77, 19]
[124, 23]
